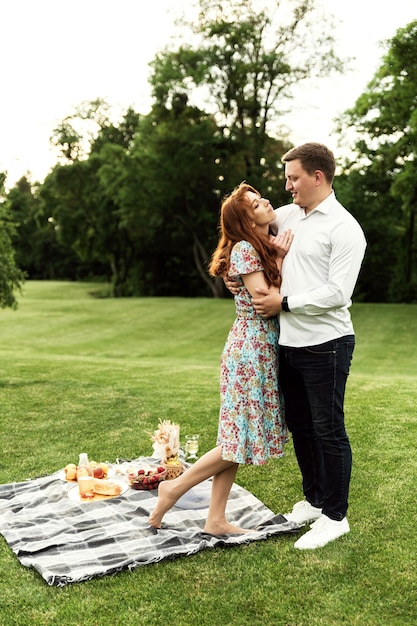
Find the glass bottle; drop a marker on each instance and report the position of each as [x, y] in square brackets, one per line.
[85, 477]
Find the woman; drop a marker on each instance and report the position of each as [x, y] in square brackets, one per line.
[251, 425]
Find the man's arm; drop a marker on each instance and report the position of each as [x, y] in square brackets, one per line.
[348, 248]
[268, 303]
[345, 263]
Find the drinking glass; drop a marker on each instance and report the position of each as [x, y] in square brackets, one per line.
[86, 486]
[191, 447]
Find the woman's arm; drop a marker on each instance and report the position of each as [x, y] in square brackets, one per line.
[282, 244]
[256, 280]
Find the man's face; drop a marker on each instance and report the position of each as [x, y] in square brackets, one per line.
[302, 186]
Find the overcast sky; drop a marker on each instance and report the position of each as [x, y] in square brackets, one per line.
[58, 53]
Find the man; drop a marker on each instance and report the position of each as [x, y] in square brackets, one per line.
[316, 337]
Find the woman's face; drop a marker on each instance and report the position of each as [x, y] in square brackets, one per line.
[263, 213]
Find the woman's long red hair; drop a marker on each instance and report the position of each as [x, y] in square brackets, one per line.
[236, 224]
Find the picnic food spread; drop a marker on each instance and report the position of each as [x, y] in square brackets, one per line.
[96, 474]
[165, 465]
[100, 470]
[146, 478]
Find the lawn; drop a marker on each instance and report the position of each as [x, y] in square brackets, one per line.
[84, 373]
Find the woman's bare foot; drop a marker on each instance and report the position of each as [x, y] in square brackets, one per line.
[166, 500]
[224, 528]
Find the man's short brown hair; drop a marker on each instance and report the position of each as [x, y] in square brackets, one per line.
[313, 156]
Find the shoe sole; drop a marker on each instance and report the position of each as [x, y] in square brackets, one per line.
[321, 545]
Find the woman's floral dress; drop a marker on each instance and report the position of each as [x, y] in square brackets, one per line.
[252, 427]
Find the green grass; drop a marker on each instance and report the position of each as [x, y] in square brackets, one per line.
[80, 373]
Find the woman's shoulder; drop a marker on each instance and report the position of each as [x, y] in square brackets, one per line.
[244, 259]
[244, 246]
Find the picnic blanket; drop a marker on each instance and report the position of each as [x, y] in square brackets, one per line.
[67, 541]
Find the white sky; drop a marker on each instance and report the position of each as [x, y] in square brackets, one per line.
[56, 54]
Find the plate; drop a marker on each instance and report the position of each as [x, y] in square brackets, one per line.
[61, 475]
[74, 494]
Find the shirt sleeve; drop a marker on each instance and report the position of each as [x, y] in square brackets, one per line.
[244, 259]
[347, 252]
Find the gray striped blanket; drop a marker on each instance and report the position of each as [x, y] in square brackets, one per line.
[67, 541]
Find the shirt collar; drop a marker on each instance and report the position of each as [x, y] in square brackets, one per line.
[323, 206]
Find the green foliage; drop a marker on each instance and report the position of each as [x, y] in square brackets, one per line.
[143, 208]
[80, 371]
[11, 276]
[74, 136]
[179, 153]
[137, 201]
[37, 250]
[87, 217]
[384, 120]
[245, 59]
[367, 198]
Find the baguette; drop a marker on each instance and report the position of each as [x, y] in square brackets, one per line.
[107, 488]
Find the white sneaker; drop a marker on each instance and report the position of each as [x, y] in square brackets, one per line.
[323, 531]
[303, 512]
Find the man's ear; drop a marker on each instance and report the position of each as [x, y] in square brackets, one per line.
[319, 177]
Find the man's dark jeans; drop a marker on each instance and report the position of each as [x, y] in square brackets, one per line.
[313, 381]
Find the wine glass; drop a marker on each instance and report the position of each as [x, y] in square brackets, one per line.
[191, 447]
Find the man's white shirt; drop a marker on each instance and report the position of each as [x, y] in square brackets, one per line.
[319, 272]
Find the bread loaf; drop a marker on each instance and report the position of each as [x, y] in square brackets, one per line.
[107, 487]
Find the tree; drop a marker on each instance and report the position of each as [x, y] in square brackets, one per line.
[74, 136]
[384, 123]
[87, 221]
[82, 205]
[366, 198]
[142, 196]
[11, 276]
[37, 251]
[244, 61]
[177, 155]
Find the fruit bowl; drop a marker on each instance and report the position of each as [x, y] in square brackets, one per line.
[146, 478]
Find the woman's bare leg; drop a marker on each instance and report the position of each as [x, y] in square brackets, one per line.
[169, 491]
[217, 523]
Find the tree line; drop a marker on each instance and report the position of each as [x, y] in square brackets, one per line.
[135, 203]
